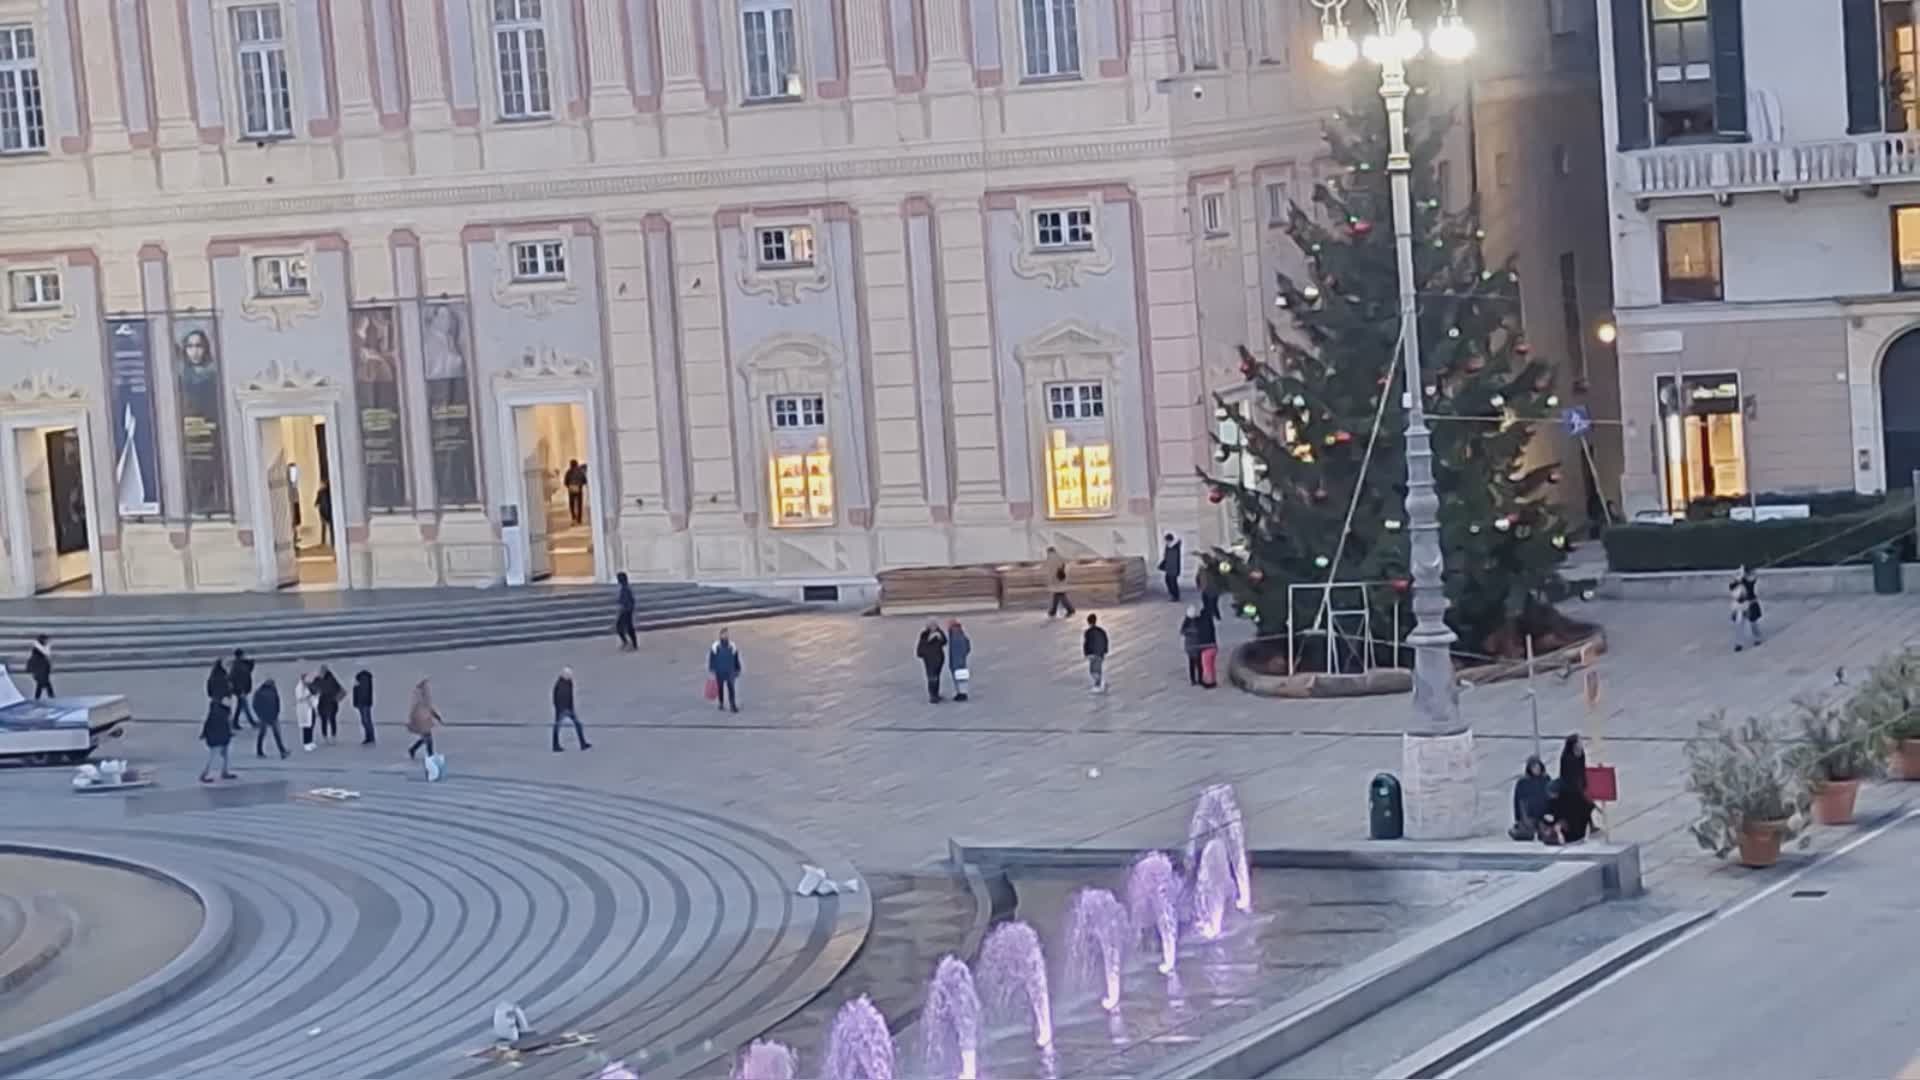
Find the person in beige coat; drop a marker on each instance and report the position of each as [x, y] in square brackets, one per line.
[1055, 567]
[422, 717]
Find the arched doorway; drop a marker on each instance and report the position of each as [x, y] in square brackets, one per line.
[1900, 409]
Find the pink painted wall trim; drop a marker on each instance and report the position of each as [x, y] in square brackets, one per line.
[582, 102]
[625, 16]
[655, 223]
[993, 336]
[1144, 329]
[74, 255]
[1006, 198]
[1196, 181]
[402, 70]
[226, 246]
[372, 44]
[403, 238]
[834, 88]
[146, 74]
[489, 230]
[153, 252]
[330, 63]
[916, 206]
[831, 211]
[79, 144]
[716, 95]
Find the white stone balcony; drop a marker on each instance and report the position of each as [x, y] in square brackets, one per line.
[1727, 169]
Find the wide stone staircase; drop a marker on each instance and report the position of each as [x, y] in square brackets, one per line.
[117, 633]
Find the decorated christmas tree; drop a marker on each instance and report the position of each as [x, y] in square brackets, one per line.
[1324, 498]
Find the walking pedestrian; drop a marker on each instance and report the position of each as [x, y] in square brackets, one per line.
[40, 666]
[323, 502]
[563, 710]
[1190, 640]
[932, 651]
[1744, 592]
[266, 719]
[217, 733]
[363, 703]
[724, 666]
[303, 708]
[575, 481]
[959, 656]
[327, 693]
[1093, 644]
[421, 719]
[623, 622]
[240, 681]
[1055, 568]
[219, 687]
[1171, 560]
[1203, 580]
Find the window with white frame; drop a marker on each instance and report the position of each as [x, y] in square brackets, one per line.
[35, 289]
[539, 260]
[1276, 29]
[1213, 214]
[1051, 29]
[1064, 228]
[800, 468]
[263, 85]
[1199, 22]
[767, 50]
[520, 53]
[280, 275]
[23, 118]
[784, 246]
[1079, 450]
[1279, 203]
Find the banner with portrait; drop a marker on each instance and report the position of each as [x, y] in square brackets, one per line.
[196, 372]
[136, 451]
[446, 361]
[376, 388]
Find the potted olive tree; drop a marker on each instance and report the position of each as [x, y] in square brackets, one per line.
[1888, 703]
[1750, 796]
[1836, 751]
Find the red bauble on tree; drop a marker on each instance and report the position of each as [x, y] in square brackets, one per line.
[1214, 495]
[1362, 228]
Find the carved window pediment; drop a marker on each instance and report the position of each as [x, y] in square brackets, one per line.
[40, 388]
[548, 364]
[1069, 350]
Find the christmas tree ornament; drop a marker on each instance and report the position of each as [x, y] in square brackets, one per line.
[1299, 401]
[1401, 584]
[1513, 277]
[1330, 439]
[1439, 243]
[1497, 401]
[1391, 524]
[1256, 575]
[1559, 541]
[1479, 234]
[1219, 412]
[1215, 495]
[1523, 348]
[1311, 292]
[1553, 401]
[1502, 524]
[1453, 331]
[1322, 561]
[1226, 567]
[1342, 436]
[1249, 610]
[1362, 228]
[1474, 529]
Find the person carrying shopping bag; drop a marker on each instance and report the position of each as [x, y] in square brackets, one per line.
[959, 654]
[304, 709]
[723, 671]
[422, 718]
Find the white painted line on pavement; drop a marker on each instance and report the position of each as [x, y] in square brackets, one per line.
[1719, 917]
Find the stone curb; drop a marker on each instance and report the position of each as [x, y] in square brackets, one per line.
[1383, 681]
[49, 928]
[1265, 1040]
[1619, 863]
[1455, 1047]
[180, 973]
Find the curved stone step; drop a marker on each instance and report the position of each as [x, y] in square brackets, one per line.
[47, 928]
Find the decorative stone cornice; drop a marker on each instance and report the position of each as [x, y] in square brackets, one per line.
[358, 197]
[548, 364]
[40, 388]
[279, 378]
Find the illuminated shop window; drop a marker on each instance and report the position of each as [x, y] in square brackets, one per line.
[801, 465]
[1079, 451]
[1703, 439]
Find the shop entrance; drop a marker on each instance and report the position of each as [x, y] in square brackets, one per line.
[57, 508]
[302, 505]
[557, 490]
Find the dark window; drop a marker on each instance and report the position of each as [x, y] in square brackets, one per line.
[1570, 311]
[1690, 260]
[1682, 70]
[1906, 247]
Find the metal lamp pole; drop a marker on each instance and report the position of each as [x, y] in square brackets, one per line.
[1437, 750]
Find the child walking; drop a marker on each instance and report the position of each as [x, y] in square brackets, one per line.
[1093, 644]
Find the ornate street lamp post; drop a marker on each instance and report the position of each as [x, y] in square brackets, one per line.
[1437, 770]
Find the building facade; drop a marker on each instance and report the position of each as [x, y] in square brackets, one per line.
[1765, 189]
[778, 292]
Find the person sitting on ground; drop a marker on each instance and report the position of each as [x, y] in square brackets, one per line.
[1530, 800]
[1571, 808]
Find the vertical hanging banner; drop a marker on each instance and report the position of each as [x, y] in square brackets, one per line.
[376, 386]
[445, 361]
[196, 371]
[136, 452]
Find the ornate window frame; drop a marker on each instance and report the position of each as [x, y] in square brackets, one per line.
[1072, 351]
[537, 296]
[227, 63]
[797, 365]
[1060, 267]
[280, 310]
[784, 286]
[37, 323]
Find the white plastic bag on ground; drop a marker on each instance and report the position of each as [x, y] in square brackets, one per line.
[436, 766]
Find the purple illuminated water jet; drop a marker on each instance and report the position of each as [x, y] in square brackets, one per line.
[858, 1045]
[1097, 932]
[951, 1021]
[1212, 884]
[765, 1061]
[1217, 815]
[1152, 893]
[1012, 969]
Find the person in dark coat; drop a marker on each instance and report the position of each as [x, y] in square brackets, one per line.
[1532, 795]
[1203, 580]
[219, 687]
[363, 704]
[563, 710]
[327, 693]
[932, 651]
[1744, 593]
[1093, 645]
[1572, 809]
[266, 718]
[323, 502]
[959, 656]
[217, 732]
[40, 666]
[575, 481]
[723, 664]
[623, 622]
[1198, 634]
[240, 681]
[1170, 563]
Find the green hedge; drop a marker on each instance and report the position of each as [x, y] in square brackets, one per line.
[1818, 503]
[1723, 545]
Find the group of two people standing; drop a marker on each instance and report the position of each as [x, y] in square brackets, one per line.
[949, 649]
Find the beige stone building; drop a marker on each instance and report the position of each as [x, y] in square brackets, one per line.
[776, 292]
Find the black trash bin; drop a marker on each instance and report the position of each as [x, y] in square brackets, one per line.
[1886, 570]
[1385, 818]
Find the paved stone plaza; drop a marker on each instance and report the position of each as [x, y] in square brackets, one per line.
[837, 749]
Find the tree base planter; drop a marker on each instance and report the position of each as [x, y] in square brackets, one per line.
[1906, 759]
[1833, 801]
[1760, 843]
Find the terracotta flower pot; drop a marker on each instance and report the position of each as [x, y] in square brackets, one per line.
[1906, 759]
[1760, 843]
[1833, 801]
